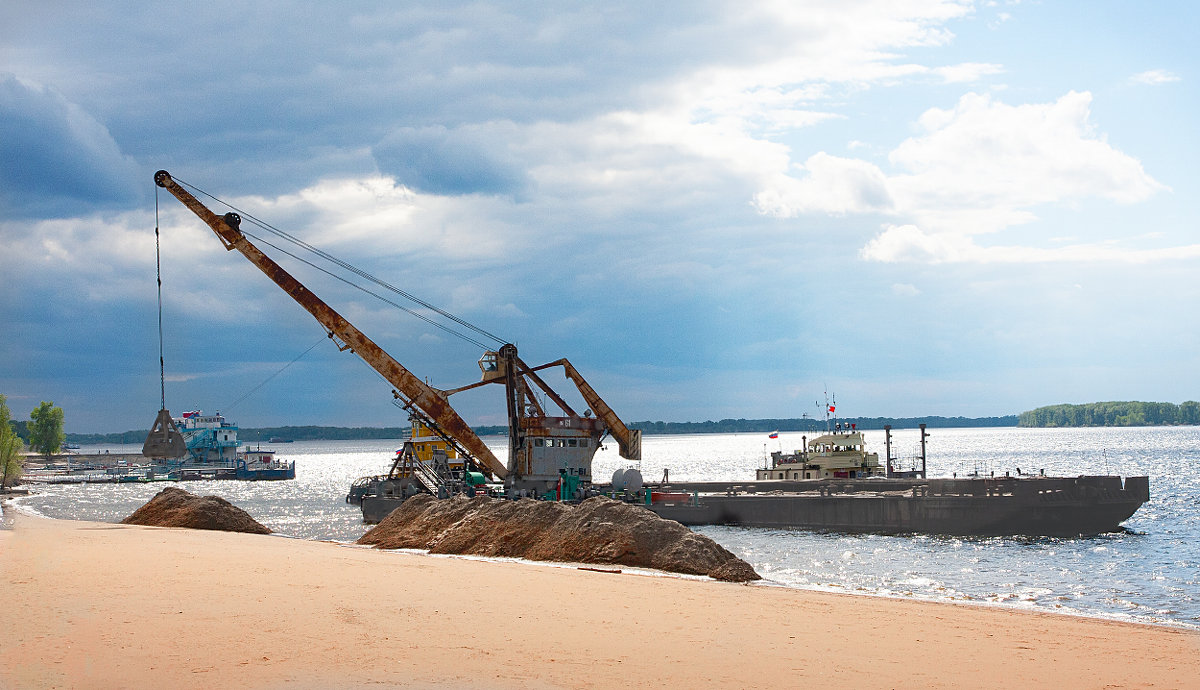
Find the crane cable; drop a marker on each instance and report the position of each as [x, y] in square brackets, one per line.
[377, 296]
[162, 367]
[267, 380]
[322, 254]
[162, 372]
[353, 269]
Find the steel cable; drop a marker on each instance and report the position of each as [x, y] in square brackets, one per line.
[357, 271]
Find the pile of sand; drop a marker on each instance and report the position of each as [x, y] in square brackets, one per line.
[174, 507]
[599, 530]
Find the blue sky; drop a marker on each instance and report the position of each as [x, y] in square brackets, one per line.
[713, 209]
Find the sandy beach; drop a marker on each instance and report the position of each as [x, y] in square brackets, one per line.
[93, 605]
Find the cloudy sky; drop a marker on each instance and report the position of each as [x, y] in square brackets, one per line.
[714, 209]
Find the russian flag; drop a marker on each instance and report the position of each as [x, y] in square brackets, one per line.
[773, 434]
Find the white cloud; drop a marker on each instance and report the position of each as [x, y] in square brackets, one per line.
[967, 71]
[377, 217]
[905, 290]
[832, 185]
[908, 243]
[725, 112]
[980, 167]
[991, 157]
[102, 260]
[1154, 77]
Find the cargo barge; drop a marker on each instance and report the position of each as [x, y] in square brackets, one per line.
[833, 484]
[986, 506]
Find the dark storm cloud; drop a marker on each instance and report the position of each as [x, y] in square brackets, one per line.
[435, 160]
[56, 159]
[273, 96]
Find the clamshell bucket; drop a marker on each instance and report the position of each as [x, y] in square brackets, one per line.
[164, 440]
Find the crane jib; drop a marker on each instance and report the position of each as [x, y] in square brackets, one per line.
[423, 396]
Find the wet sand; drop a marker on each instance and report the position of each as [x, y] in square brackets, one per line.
[105, 606]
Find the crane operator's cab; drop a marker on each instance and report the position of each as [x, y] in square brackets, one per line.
[491, 367]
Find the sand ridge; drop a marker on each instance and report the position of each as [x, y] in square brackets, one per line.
[599, 530]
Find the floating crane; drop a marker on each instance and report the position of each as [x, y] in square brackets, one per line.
[547, 453]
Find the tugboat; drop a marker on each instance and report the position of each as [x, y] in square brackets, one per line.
[214, 452]
[839, 454]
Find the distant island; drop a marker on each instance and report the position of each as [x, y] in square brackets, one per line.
[1131, 413]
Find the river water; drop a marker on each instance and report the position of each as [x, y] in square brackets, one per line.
[1149, 573]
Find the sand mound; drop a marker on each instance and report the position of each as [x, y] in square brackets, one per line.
[174, 507]
[599, 530]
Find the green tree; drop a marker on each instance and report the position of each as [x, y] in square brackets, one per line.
[46, 434]
[10, 448]
[1189, 412]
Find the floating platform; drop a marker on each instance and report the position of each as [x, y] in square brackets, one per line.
[133, 468]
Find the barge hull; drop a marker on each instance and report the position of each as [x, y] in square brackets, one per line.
[1061, 507]
[376, 508]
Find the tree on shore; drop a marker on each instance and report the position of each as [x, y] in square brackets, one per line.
[46, 433]
[10, 447]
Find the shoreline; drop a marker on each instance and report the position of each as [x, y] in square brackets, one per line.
[15, 506]
[108, 605]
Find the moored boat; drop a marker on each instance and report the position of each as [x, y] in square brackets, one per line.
[214, 452]
[834, 485]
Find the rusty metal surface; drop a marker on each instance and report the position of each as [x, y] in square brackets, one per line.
[422, 395]
[164, 439]
[628, 440]
[562, 404]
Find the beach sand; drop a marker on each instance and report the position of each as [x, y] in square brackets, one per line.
[93, 605]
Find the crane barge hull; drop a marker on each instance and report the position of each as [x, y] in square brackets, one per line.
[1008, 506]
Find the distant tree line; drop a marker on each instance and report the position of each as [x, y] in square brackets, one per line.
[1091, 414]
[322, 433]
[725, 426]
[127, 437]
[737, 426]
[1113, 414]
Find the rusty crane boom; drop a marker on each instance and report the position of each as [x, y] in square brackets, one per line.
[544, 449]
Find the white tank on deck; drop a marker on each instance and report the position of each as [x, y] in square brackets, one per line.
[628, 479]
[618, 481]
